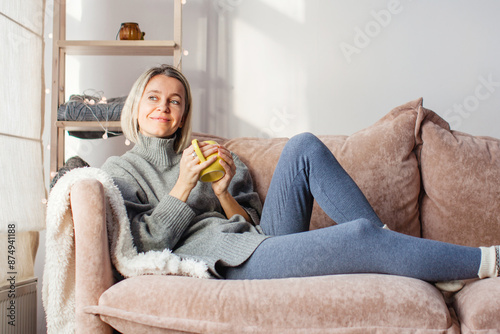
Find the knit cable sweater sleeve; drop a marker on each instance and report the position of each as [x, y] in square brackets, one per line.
[154, 227]
[242, 189]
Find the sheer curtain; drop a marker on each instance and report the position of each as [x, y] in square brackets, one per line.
[22, 190]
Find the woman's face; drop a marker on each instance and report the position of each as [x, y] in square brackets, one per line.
[161, 107]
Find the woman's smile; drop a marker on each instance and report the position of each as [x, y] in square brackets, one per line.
[160, 119]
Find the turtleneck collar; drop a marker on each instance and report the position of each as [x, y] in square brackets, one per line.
[158, 151]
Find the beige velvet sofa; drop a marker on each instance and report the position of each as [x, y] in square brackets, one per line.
[422, 179]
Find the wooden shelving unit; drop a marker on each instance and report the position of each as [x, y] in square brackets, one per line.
[63, 47]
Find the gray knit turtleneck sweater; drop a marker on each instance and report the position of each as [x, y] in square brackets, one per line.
[197, 229]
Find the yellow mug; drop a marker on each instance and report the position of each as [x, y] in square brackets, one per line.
[215, 171]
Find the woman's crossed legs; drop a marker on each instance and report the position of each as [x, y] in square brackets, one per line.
[358, 244]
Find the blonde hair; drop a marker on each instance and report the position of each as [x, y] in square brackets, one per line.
[130, 111]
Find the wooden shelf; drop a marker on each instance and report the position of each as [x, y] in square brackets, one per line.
[117, 48]
[88, 126]
[61, 47]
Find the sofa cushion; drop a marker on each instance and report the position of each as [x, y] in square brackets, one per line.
[364, 303]
[461, 180]
[379, 158]
[477, 305]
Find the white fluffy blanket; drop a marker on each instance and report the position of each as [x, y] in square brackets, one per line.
[59, 274]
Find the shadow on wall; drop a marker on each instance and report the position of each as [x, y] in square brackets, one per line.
[225, 111]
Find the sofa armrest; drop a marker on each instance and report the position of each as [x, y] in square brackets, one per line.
[92, 261]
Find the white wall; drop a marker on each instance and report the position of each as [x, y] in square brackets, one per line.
[279, 67]
[287, 56]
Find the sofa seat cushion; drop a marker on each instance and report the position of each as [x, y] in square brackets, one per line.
[477, 306]
[364, 303]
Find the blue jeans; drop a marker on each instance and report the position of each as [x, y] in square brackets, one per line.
[307, 170]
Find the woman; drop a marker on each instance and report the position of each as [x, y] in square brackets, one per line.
[224, 224]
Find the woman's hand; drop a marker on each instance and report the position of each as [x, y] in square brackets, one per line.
[230, 206]
[220, 187]
[190, 168]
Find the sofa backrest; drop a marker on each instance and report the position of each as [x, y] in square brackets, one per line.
[380, 159]
[421, 178]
